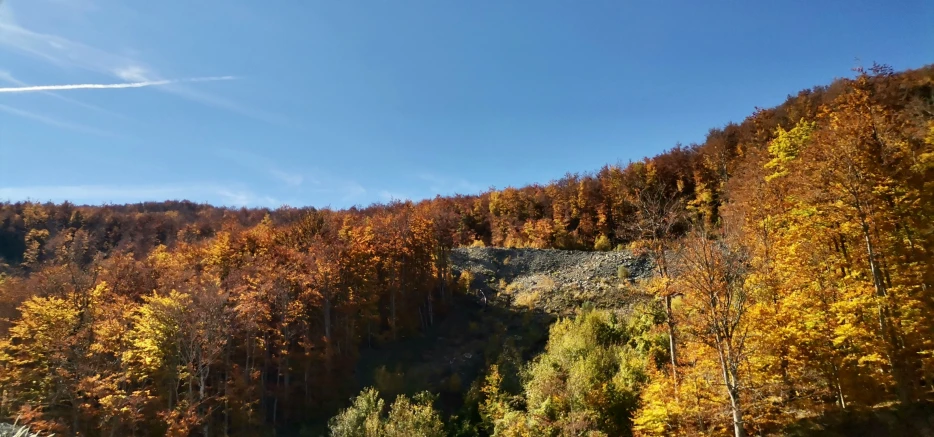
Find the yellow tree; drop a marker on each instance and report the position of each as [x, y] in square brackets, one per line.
[37, 361]
[861, 169]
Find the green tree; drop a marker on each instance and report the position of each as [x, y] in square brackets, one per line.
[406, 417]
[589, 377]
[361, 418]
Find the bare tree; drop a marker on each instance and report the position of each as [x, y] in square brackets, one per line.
[713, 282]
[658, 214]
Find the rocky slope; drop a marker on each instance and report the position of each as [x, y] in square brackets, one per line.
[554, 281]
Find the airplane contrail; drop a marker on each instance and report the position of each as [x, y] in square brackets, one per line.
[99, 86]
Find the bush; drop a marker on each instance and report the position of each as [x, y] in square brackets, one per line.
[590, 375]
[528, 299]
[622, 272]
[407, 417]
[464, 281]
[361, 419]
[415, 417]
[602, 244]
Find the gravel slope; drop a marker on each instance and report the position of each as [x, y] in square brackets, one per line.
[556, 281]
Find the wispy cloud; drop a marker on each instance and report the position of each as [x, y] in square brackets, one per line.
[67, 53]
[448, 185]
[101, 86]
[293, 179]
[6, 76]
[99, 194]
[263, 164]
[55, 122]
[138, 73]
[75, 5]
[56, 49]
[248, 198]
[388, 196]
[352, 191]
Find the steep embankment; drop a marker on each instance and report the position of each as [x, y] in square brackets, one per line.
[553, 281]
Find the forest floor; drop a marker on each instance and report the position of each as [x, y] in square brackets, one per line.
[880, 421]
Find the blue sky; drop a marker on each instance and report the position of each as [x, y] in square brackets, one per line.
[337, 103]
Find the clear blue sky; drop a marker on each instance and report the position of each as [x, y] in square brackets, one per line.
[357, 101]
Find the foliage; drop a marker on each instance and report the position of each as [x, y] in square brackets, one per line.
[811, 296]
[602, 244]
[407, 417]
[586, 382]
[622, 273]
[362, 418]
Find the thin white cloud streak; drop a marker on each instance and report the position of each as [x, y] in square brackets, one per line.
[57, 123]
[217, 194]
[100, 86]
[139, 74]
[8, 77]
[66, 53]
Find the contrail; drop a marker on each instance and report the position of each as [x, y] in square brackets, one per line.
[104, 86]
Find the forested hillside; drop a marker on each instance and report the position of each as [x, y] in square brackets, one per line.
[792, 258]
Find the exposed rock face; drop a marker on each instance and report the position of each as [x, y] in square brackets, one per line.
[555, 281]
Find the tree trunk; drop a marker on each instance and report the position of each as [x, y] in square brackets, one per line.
[327, 319]
[903, 386]
[392, 310]
[225, 383]
[731, 381]
[202, 382]
[738, 430]
[431, 311]
[672, 343]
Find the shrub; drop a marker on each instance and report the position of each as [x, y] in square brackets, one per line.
[622, 272]
[407, 417]
[527, 299]
[589, 378]
[602, 244]
[415, 417]
[465, 280]
[361, 419]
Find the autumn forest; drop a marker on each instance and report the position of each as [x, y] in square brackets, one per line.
[792, 264]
